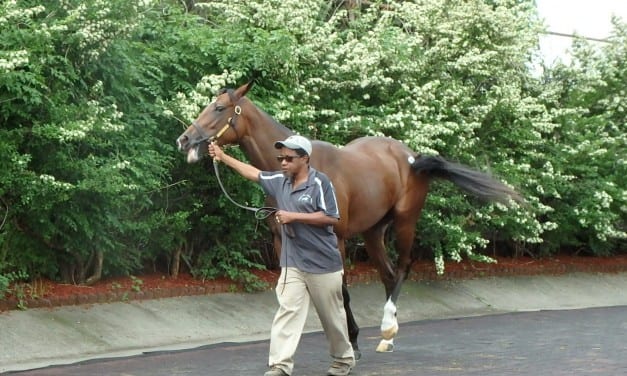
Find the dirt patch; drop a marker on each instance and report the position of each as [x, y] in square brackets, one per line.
[44, 293]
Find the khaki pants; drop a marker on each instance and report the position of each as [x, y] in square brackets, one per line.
[294, 294]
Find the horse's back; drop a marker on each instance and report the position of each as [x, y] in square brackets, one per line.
[370, 175]
[367, 158]
[379, 146]
[372, 150]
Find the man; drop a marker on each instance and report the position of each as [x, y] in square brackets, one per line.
[311, 264]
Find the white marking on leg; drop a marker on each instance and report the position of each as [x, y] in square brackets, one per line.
[389, 324]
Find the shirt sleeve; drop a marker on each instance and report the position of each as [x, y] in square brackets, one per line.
[271, 181]
[328, 200]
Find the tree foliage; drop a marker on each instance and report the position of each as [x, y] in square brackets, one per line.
[85, 154]
[94, 93]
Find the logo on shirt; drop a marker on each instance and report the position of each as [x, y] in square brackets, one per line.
[305, 199]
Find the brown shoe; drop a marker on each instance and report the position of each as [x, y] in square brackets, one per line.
[276, 371]
[340, 369]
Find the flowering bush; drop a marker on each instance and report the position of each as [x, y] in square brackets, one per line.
[91, 92]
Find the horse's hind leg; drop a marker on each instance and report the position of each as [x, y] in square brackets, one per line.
[376, 252]
[405, 218]
[406, 214]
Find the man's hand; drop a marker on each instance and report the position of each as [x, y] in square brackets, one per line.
[250, 172]
[283, 217]
[215, 152]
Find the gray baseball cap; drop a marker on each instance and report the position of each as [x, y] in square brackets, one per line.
[295, 142]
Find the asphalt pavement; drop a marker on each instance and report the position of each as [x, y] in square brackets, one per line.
[42, 337]
[581, 342]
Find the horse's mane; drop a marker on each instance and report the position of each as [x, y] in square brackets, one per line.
[266, 116]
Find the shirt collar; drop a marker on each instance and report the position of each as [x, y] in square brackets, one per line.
[311, 175]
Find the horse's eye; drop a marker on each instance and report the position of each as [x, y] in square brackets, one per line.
[219, 108]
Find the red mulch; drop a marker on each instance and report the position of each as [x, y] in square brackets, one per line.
[44, 293]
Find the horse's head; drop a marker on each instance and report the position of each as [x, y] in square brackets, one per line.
[217, 122]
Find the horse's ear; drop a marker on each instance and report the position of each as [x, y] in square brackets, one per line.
[242, 90]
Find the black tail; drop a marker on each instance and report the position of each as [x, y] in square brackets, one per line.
[475, 182]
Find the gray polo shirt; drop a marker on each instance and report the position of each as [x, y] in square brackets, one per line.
[313, 249]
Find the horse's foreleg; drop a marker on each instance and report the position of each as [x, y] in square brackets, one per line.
[351, 323]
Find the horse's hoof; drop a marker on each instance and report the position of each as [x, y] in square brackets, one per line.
[357, 354]
[388, 334]
[385, 346]
[356, 350]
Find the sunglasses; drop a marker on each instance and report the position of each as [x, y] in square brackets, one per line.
[288, 158]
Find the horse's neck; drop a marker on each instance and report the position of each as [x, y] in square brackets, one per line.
[258, 143]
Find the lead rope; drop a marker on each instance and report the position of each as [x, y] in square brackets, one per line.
[260, 214]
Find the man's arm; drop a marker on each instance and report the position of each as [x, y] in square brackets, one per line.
[318, 218]
[250, 172]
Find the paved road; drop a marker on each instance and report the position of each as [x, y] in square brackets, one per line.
[590, 341]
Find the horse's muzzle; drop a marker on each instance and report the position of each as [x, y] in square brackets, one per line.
[182, 143]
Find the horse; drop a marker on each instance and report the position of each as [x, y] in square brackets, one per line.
[380, 183]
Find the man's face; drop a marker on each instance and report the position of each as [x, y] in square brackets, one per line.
[291, 162]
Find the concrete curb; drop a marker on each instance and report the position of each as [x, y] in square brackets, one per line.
[420, 272]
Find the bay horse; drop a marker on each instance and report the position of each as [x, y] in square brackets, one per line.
[379, 183]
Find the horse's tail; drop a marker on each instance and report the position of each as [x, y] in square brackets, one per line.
[475, 182]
